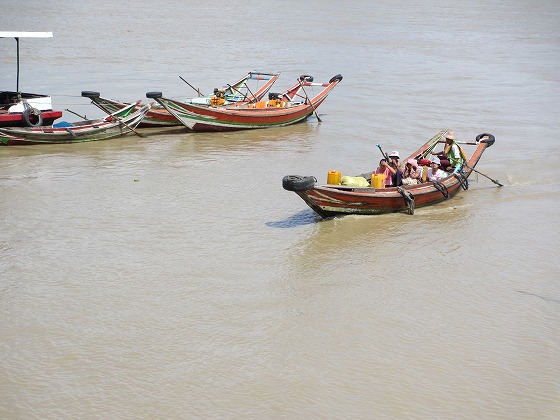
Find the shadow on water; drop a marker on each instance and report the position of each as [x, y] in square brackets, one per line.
[302, 218]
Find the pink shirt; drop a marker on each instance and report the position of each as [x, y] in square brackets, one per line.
[388, 181]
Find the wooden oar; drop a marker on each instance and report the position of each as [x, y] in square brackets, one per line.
[495, 181]
[197, 91]
[72, 112]
[310, 102]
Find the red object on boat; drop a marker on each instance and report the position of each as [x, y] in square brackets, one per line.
[26, 110]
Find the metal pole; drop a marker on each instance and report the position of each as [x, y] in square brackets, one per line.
[17, 78]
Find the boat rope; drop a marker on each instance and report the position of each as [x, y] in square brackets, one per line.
[408, 199]
[462, 179]
[442, 188]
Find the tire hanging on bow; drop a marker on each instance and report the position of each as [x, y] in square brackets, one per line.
[298, 183]
[441, 188]
[408, 200]
[32, 116]
[462, 179]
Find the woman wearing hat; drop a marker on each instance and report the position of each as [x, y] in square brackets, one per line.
[451, 158]
[434, 172]
[412, 174]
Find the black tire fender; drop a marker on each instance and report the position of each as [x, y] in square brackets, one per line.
[338, 77]
[408, 200]
[464, 181]
[440, 186]
[27, 116]
[305, 78]
[153, 95]
[90, 94]
[298, 183]
[486, 138]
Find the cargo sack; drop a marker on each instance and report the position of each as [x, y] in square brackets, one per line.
[354, 181]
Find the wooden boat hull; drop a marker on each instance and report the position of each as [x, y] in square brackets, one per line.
[333, 200]
[158, 116]
[115, 125]
[243, 117]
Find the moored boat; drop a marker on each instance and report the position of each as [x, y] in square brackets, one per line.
[289, 107]
[20, 109]
[332, 199]
[114, 125]
[247, 89]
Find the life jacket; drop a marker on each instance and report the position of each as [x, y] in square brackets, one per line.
[275, 103]
[217, 101]
[272, 103]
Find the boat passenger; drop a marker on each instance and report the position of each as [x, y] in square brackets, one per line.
[434, 172]
[395, 169]
[383, 169]
[412, 174]
[451, 158]
[391, 170]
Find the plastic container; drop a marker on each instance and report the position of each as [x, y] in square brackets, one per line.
[334, 177]
[377, 180]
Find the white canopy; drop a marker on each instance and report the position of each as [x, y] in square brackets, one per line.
[26, 34]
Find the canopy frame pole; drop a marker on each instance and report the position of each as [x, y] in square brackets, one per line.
[17, 66]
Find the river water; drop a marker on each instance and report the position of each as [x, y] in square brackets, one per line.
[171, 276]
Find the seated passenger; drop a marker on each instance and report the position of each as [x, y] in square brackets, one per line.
[383, 169]
[391, 170]
[412, 174]
[434, 172]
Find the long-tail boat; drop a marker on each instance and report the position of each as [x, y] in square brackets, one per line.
[333, 199]
[280, 109]
[246, 89]
[114, 125]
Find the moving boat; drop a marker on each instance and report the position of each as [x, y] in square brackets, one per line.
[114, 125]
[237, 93]
[281, 109]
[20, 109]
[332, 199]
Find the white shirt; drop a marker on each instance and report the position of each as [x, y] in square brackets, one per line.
[438, 175]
